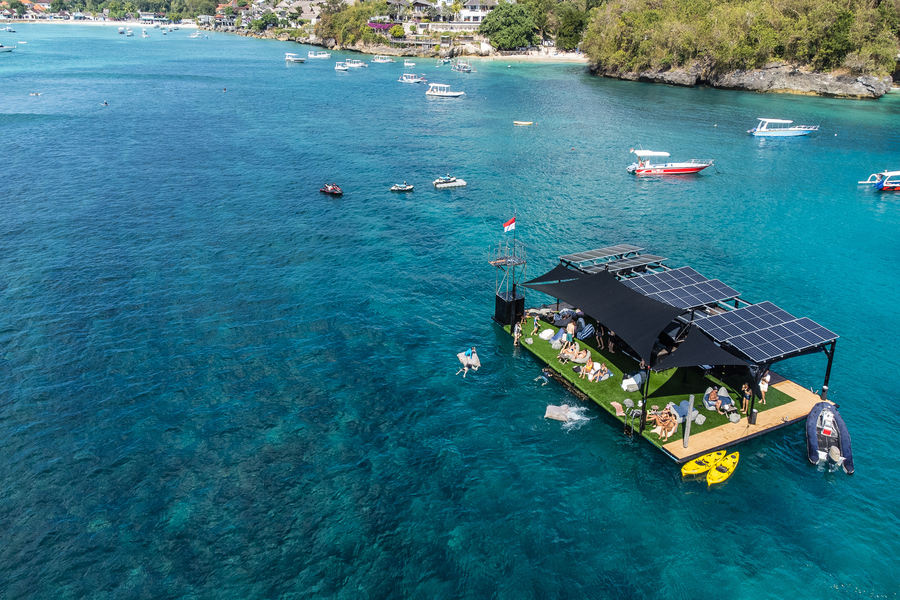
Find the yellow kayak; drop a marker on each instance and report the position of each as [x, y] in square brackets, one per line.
[523, 123]
[723, 470]
[702, 464]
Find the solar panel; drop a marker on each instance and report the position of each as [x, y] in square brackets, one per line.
[632, 262]
[666, 280]
[600, 253]
[697, 294]
[764, 332]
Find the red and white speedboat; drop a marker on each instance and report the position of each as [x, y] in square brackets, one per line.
[332, 188]
[646, 166]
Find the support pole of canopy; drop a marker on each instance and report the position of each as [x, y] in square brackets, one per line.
[757, 377]
[828, 370]
[645, 391]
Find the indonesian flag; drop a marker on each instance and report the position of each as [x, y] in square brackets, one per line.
[510, 225]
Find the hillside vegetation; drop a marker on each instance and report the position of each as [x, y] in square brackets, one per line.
[718, 36]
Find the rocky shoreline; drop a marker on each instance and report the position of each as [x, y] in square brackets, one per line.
[774, 77]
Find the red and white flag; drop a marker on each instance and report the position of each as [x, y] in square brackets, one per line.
[510, 225]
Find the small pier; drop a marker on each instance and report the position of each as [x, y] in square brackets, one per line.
[676, 332]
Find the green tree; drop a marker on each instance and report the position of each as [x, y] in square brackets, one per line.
[229, 11]
[455, 8]
[396, 31]
[508, 26]
[18, 7]
[571, 26]
[263, 22]
[57, 6]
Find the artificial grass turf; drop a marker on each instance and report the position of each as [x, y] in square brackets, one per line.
[674, 385]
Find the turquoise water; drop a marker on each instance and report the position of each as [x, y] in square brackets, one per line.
[217, 383]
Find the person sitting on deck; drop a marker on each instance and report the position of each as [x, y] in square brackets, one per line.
[588, 367]
[567, 353]
[517, 333]
[599, 373]
[665, 421]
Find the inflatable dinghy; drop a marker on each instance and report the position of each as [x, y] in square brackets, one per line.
[827, 438]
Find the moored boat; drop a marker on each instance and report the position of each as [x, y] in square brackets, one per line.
[7, 48]
[645, 166]
[441, 90]
[782, 128]
[402, 187]
[410, 78]
[827, 438]
[293, 58]
[462, 66]
[341, 66]
[121, 30]
[332, 188]
[380, 58]
[320, 54]
[448, 182]
[355, 64]
[886, 181]
[408, 63]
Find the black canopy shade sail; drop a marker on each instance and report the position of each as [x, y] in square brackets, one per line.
[696, 350]
[557, 273]
[635, 318]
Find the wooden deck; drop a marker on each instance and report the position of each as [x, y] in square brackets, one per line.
[769, 420]
[795, 403]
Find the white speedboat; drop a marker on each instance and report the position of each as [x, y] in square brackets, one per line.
[121, 30]
[448, 182]
[128, 31]
[645, 165]
[355, 64]
[196, 34]
[341, 66]
[7, 48]
[380, 58]
[402, 187]
[408, 63]
[782, 128]
[314, 54]
[463, 67]
[442, 90]
[410, 78]
[293, 58]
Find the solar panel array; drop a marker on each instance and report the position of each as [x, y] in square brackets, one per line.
[666, 280]
[683, 288]
[625, 264]
[600, 253]
[764, 332]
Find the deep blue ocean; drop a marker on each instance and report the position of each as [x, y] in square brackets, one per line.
[216, 382]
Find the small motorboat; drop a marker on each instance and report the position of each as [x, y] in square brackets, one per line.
[355, 64]
[341, 66]
[645, 167]
[441, 90]
[293, 58]
[886, 181]
[7, 48]
[314, 54]
[447, 181]
[332, 188]
[410, 78]
[783, 128]
[827, 438]
[462, 67]
[380, 58]
[402, 187]
[408, 63]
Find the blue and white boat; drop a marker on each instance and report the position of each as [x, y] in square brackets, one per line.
[782, 128]
[886, 181]
[827, 438]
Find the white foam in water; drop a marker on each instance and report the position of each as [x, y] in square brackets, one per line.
[578, 416]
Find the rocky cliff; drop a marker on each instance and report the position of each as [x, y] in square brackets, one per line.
[774, 77]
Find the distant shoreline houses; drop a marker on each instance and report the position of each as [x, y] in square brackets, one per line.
[425, 15]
